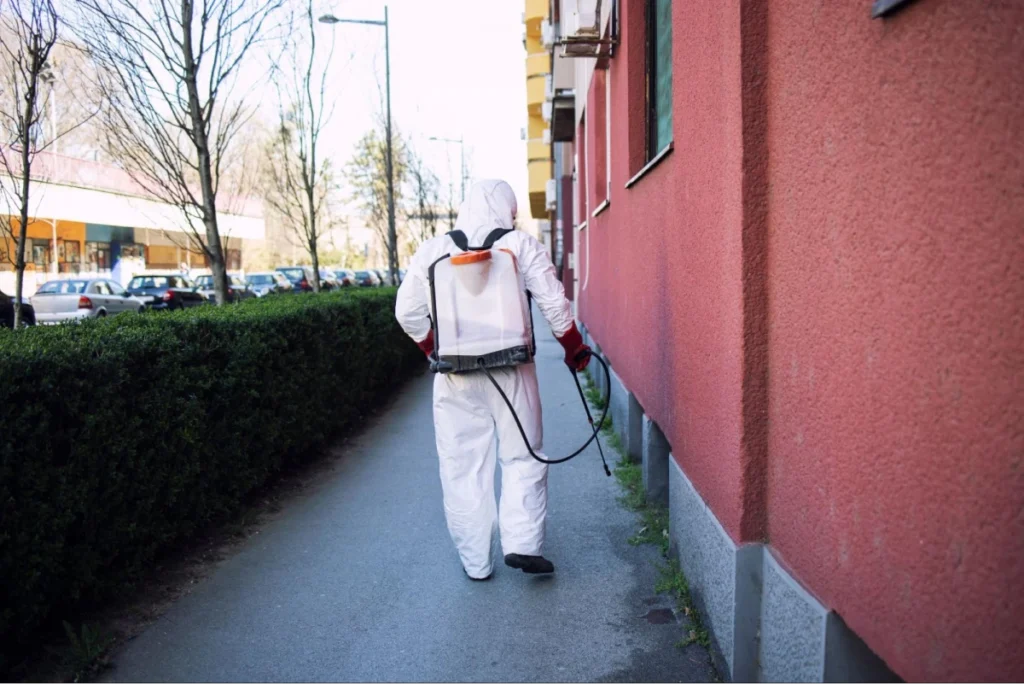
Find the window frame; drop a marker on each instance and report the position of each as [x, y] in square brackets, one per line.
[653, 149]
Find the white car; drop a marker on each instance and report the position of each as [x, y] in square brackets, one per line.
[58, 301]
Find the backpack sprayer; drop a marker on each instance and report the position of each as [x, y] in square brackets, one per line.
[482, 319]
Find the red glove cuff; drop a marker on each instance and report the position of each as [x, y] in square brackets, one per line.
[427, 345]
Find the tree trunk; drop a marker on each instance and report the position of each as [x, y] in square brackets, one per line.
[26, 169]
[311, 235]
[218, 264]
[316, 265]
[202, 143]
[19, 275]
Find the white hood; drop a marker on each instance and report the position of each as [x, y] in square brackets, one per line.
[491, 204]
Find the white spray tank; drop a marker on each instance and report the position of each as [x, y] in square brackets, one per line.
[480, 309]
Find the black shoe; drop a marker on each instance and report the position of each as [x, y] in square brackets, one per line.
[531, 565]
[478, 579]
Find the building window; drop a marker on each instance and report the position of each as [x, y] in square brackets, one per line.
[41, 254]
[132, 251]
[659, 76]
[72, 251]
[97, 256]
[582, 172]
[600, 119]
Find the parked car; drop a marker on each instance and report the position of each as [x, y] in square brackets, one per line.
[384, 275]
[238, 289]
[270, 282]
[401, 275]
[301, 277]
[327, 280]
[346, 277]
[165, 291]
[60, 301]
[28, 314]
[367, 279]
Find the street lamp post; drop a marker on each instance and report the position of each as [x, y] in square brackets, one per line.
[389, 162]
[49, 78]
[462, 161]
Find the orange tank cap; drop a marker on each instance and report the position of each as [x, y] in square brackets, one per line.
[470, 258]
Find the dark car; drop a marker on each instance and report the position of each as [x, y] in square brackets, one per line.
[165, 291]
[271, 282]
[345, 277]
[367, 279]
[238, 289]
[28, 314]
[328, 281]
[301, 277]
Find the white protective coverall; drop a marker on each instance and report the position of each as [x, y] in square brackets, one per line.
[471, 422]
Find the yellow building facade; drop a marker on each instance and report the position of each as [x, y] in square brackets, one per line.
[538, 74]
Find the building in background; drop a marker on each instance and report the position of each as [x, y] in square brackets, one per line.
[90, 217]
[538, 141]
[798, 238]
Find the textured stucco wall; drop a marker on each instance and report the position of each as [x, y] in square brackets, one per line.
[896, 283]
[664, 297]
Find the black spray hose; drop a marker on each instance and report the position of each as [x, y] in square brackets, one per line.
[586, 407]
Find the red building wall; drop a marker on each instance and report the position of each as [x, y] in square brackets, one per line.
[818, 296]
[896, 276]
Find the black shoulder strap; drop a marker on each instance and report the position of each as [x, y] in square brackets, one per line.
[460, 240]
[496, 235]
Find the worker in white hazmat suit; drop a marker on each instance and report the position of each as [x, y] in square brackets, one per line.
[471, 422]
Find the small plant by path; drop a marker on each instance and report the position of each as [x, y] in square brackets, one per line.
[86, 654]
[594, 395]
[673, 582]
[654, 529]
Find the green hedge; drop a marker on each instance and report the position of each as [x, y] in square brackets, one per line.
[123, 435]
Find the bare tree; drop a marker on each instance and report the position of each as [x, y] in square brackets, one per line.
[167, 72]
[27, 38]
[426, 199]
[299, 179]
[368, 177]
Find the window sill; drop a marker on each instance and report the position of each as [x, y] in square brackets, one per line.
[600, 208]
[650, 165]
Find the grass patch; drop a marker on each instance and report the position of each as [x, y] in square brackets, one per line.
[594, 396]
[631, 479]
[673, 582]
[654, 530]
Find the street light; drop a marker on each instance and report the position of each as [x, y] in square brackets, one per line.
[462, 160]
[392, 234]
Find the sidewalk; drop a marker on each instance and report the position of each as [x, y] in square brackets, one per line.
[359, 581]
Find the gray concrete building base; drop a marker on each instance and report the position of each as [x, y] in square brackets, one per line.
[627, 418]
[655, 457]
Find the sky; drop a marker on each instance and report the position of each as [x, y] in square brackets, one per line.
[457, 70]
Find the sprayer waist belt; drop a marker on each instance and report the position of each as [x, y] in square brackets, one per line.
[513, 356]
